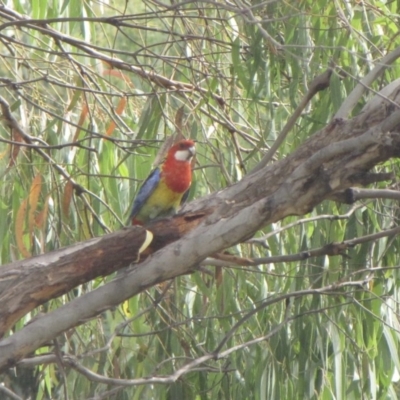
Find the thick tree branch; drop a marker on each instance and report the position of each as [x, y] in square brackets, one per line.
[334, 159]
[21, 289]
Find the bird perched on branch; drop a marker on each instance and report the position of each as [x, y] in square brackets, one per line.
[167, 187]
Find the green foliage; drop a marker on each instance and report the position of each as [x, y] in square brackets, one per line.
[316, 343]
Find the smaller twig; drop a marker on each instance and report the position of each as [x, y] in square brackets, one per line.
[9, 392]
[122, 325]
[330, 217]
[283, 297]
[12, 123]
[330, 249]
[353, 98]
[49, 147]
[58, 354]
[351, 195]
[321, 82]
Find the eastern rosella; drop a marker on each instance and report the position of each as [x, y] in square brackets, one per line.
[167, 186]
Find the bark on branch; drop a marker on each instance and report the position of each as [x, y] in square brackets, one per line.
[334, 159]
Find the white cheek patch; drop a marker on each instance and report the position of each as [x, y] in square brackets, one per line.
[184, 155]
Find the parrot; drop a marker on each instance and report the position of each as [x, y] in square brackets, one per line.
[167, 186]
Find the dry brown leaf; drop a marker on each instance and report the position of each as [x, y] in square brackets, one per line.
[67, 196]
[41, 217]
[14, 150]
[119, 110]
[34, 193]
[19, 228]
[84, 113]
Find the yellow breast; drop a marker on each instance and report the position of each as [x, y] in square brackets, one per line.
[161, 203]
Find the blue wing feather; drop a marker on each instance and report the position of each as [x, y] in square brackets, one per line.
[145, 191]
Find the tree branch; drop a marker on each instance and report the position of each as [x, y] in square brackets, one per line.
[321, 82]
[92, 51]
[364, 84]
[329, 161]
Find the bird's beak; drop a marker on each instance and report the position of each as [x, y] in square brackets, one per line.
[192, 151]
